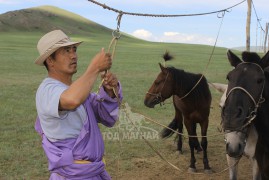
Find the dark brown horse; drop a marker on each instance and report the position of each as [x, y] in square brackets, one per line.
[191, 99]
[245, 114]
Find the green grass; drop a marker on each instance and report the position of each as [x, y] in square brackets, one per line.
[136, 65]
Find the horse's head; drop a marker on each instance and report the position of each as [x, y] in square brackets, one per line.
[161, 89]
[244, 95]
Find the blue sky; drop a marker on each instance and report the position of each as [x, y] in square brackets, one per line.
[194, 30]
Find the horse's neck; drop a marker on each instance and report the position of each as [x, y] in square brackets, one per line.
[184, 85]
[262, 121]
[180, 87]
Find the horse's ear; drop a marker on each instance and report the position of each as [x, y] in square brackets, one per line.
[162, 67]
[265, 60]
[233, 59]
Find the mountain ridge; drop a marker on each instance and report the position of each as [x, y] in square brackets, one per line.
[47, 18]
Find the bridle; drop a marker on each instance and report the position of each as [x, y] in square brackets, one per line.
[158, 96]
[252, 115]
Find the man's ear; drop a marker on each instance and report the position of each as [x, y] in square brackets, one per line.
[49, 61]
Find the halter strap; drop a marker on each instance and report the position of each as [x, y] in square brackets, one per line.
[243, 89]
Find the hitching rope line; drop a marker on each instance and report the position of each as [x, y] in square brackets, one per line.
[163, 15]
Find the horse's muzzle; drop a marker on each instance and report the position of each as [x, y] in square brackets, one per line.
[235, 143]
[149, 104]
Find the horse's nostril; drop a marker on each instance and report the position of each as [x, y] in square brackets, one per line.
[239, 147]
[240, 112]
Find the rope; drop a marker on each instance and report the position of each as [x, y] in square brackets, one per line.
[155, 122]
[164, 15]
[116, 36]
[258, 19]
[151, 146]
[164, 159]
[210, 58]
[113, 41]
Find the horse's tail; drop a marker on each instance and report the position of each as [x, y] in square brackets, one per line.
[166, 133]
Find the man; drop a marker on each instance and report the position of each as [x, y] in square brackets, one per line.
[68, 113]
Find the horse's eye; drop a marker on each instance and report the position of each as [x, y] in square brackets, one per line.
[157, 83]
[260, 80]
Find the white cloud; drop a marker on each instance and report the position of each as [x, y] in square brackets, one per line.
[186, 38]
[142, 34]
[175, 37]
[171, 33]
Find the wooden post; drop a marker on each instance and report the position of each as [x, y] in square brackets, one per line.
[248, 26]
[265, 38]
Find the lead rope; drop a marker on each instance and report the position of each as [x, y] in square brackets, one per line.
[115, 37]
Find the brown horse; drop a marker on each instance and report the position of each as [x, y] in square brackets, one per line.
[191, 99]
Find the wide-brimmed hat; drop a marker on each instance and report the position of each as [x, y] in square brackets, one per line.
[51, 42]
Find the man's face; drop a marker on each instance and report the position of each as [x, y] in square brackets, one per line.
[65, 60]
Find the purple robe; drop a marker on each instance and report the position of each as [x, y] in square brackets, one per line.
[89, 145]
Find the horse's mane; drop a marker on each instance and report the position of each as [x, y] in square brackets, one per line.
[251, 57]
[186, 81]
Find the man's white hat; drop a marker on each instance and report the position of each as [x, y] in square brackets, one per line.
[51, 42]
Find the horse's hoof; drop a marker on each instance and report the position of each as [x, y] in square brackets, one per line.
[208, 171]
[192, 170]
[180, 152]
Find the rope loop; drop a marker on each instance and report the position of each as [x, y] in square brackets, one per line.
[119, 20]
[221, 14]
[116, 34]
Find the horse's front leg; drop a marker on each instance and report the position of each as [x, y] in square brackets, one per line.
[207, 168]
[232, 163]
[204, 143]
[249, 151]
[192, 167]
[179, 143]
[255, 169]
[197, 145]
[192, 143]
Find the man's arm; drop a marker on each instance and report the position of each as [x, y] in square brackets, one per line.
[79, 90]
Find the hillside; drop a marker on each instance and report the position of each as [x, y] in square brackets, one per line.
[47, 18]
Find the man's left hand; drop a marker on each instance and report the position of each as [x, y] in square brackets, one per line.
[110, 82]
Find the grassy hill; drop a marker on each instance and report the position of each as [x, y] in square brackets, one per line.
[47, 18]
